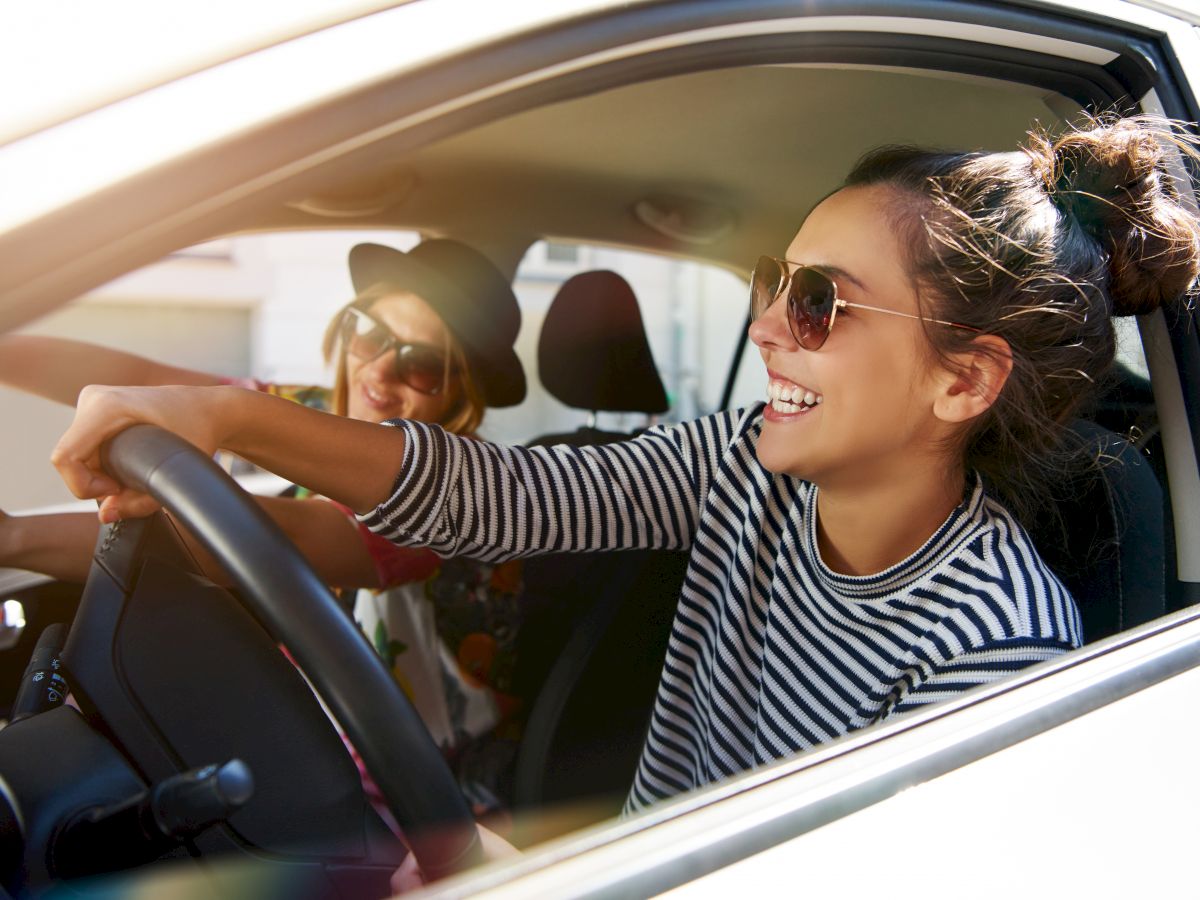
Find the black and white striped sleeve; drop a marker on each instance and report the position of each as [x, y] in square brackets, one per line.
[960, 673]
[461, 496]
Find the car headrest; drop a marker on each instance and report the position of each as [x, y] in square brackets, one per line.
[593, 353]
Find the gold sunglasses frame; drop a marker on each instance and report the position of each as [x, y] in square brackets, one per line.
[786, 265]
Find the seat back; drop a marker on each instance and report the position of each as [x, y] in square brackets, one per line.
[1109, 547]
[595, 625]
[592, 351]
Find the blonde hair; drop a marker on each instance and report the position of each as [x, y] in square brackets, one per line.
[463, 416]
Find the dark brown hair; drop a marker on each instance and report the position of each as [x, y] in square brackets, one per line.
[1041, 247]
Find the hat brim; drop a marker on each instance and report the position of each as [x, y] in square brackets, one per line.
[497, 372]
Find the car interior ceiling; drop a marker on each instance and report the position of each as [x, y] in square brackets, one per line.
[562, 170]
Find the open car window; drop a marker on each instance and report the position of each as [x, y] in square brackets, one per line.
[257, 306]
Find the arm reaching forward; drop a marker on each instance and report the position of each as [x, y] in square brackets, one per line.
[61, 545]
[353, 462]
[58, 369]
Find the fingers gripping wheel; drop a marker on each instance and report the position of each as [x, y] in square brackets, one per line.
[280, 590]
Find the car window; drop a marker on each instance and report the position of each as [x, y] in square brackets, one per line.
[692, 313]
[250, 305]
[257, 305]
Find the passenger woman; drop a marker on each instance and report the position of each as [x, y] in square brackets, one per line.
[428, 337]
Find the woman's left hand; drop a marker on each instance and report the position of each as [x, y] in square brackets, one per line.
[408, 877]
[103, 412]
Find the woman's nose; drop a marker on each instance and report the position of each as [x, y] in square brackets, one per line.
[770, 331]
[384, 365]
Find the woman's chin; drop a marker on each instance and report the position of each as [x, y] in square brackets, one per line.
[779, 457]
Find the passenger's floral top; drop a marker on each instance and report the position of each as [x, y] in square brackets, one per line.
[445, 627]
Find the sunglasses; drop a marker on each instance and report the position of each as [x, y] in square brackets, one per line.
[812, 300]
[420, 366]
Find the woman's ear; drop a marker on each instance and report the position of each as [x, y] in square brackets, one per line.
[972, 381]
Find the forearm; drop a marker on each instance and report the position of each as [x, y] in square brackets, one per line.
[326, 536]
[491, 502]
[343, 459]
[353, 462]
[60, 545]
[58, 369]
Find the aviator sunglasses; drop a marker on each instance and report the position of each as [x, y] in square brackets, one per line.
[812, 300]
[420, 366]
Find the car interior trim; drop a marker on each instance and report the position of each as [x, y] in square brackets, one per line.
[183, 122]
[1163, 351]
[890, 25]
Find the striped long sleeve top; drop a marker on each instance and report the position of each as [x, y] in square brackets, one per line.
[771, 652]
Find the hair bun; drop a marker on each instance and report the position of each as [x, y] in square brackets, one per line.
[1110, 179]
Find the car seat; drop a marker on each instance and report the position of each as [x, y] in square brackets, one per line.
[1108, 543]
[593, 355]
[595, 630]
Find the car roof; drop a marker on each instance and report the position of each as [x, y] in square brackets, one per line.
[720, 164]
[114, 50]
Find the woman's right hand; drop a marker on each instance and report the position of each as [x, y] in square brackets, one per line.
[410, 878]
[102, 412]
[355, 463]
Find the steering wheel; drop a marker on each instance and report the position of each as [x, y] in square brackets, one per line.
[280, 590]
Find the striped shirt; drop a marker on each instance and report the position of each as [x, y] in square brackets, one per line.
[771, 652]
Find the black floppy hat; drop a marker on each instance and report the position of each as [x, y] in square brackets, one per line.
[469, 294]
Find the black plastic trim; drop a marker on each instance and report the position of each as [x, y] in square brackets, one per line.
[735, 365]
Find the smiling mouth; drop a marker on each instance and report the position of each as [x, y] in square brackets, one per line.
[788, 398]
[375, 398]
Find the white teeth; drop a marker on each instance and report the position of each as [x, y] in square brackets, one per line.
[374, 396]
[789, 399]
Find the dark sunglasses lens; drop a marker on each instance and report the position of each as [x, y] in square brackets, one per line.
[765, 284]
[421, 369]
[811, 299]
[364, 337]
